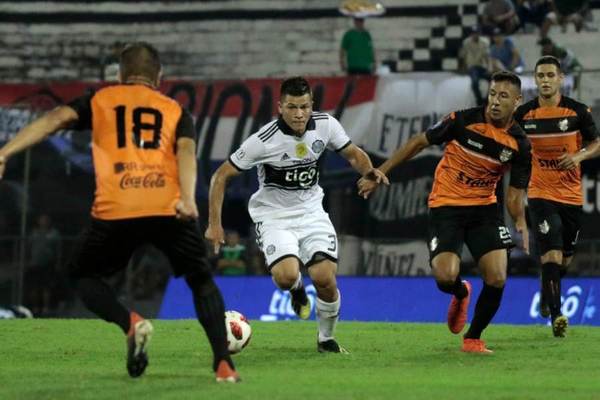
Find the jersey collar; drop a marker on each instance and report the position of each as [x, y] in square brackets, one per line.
[285, 128]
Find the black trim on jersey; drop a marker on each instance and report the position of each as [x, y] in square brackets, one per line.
[489, 147]
[268, 133]
[317, 116]
[83, 107]
[585, 122]
[292, 177]
[520, 169]
[310, 126]
[544, 126]
[185, 126]
[348, 143]
[235, 165]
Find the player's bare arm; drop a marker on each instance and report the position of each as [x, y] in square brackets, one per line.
[216, 193]
[572, 161]
[414, 146]
[515, 204]
[59, 118]
[186, 163]
[361, 162]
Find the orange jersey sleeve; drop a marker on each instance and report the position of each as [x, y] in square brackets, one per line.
[134, 133]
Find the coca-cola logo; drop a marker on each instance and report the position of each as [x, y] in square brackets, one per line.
[148, 181]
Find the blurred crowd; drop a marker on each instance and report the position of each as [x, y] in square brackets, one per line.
[490, 48]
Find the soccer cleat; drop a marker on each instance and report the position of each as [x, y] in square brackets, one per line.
[457, 311]
[138, 338]
[331, 346]
[226, 374]
[300, 303]
[475, 346]
[559, 326]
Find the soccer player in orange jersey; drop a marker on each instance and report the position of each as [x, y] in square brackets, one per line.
[144, 152]
[481, 144]
[558, 128]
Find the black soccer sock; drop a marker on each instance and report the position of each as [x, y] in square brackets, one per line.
[563, 271]
[458, 289]
[485, 309]
[100, 299]
[210, 310]
[551, 286]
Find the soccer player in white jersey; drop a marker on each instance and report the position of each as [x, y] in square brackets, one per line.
[292, 228]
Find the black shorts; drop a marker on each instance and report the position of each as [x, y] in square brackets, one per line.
[481, 228]
[107, 245]
[556, 225]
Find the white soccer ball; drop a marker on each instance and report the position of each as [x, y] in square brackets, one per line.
[238, 331]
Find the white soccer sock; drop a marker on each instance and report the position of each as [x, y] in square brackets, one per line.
[327, 315]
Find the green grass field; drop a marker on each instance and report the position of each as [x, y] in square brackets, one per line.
[85, 359]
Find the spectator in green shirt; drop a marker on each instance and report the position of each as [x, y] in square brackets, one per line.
[357, 55]
[232, 257]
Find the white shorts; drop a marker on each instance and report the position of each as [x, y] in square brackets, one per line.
[300, 237]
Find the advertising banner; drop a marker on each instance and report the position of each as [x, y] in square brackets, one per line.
[389, 299]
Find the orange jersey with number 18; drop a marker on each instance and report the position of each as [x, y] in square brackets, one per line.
[134, 134]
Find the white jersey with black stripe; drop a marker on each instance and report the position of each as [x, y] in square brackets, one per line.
[287, 164]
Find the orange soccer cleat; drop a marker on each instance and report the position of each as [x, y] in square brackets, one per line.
[226, 374]
[457, 311]
[475, 346]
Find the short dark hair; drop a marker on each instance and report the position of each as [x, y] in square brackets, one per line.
[296, 86]
[139, 58]
[507, 76]
[548, 60]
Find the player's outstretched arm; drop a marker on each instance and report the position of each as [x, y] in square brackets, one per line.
[186, 163]
[361, 162]
[216, 193]
[515, 204]
[36, 131]
[414, 146]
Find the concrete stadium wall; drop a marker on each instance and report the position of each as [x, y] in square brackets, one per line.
[209, 39]
[65, 40]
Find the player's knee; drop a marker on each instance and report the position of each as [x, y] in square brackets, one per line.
[496, 280]
[285, 278]
[443, 276]
[325, 281]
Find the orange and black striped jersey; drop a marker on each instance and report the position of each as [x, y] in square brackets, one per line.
[475, 158]
[554, 131]
[134, 133]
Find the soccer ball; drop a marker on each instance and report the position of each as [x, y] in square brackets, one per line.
[238, 331]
